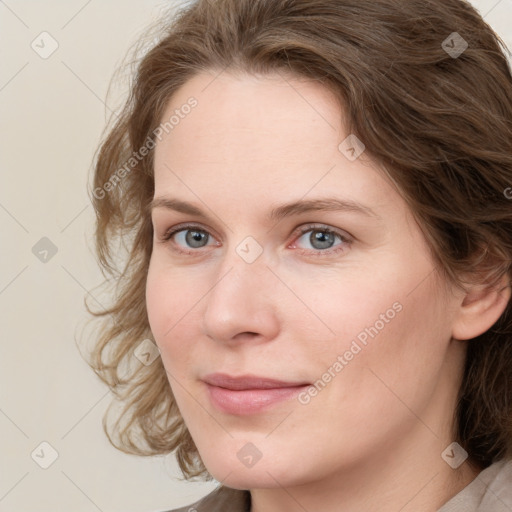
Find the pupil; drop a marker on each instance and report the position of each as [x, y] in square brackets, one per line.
[322, 238]
[194, 238]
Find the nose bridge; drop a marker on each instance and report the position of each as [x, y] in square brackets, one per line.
[235, 303]
[244, 266]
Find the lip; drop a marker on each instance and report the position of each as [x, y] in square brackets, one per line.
[249, 394]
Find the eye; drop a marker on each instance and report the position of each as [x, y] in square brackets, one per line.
[322, 239]
[187, 237]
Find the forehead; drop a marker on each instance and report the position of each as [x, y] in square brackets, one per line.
[245, 117]
[260, 136]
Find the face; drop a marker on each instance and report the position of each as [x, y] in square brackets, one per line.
[303, 340]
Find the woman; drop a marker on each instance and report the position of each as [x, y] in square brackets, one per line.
[315, 198]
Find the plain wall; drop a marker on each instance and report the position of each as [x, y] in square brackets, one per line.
[52, 114]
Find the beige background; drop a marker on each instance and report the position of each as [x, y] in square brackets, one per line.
[52, 113]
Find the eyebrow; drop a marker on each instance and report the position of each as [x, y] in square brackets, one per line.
[278, 213]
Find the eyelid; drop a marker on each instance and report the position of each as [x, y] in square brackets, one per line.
[184, 226]
[304, 228]
[337, 250]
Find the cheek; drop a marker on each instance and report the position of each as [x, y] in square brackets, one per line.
[396, 326]
[349, 311]
[169, 304]
[369, 393]
[157, 300]
[393, 354]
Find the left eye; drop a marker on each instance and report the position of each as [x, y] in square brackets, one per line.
[321, 239]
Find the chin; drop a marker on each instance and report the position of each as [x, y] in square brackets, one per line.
[264, 474]
[248, 479]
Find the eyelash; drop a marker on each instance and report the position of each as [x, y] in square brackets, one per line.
[166, 238]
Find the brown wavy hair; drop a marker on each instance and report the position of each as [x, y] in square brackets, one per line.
[439, 125]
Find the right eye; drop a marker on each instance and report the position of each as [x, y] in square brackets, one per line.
[187, 238]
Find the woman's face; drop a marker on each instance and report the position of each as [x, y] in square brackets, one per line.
[296, 261]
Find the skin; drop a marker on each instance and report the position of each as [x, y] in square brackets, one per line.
[372, 438]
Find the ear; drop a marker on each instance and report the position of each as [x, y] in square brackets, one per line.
[481, 307]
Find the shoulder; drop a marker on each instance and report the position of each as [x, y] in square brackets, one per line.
[490, 491]
[498, 481]
[222, 499]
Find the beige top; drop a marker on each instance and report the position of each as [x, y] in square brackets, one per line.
[490, 491]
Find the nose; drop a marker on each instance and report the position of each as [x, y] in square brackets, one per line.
[242, 303]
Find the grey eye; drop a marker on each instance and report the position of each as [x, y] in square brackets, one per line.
[320, 238]
[194, 238]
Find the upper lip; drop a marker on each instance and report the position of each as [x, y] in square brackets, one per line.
[244, 382]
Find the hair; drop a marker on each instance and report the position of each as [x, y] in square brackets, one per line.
[439, 125]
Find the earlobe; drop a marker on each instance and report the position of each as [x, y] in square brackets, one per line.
[481, 308]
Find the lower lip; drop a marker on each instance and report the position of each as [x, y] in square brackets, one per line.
[250, 401]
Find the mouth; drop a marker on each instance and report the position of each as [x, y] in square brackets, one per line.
[249, 394]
